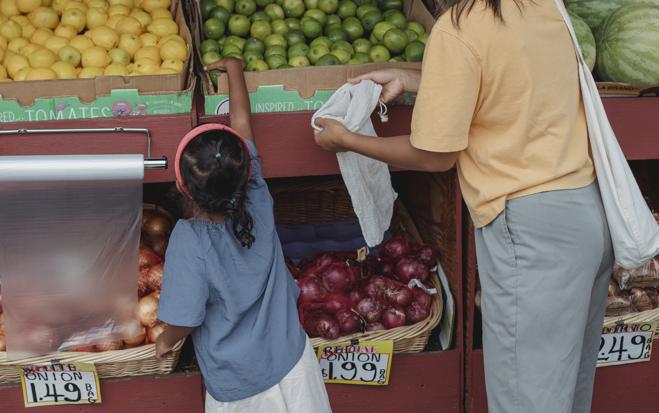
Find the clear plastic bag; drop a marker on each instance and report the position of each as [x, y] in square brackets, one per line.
[646, 276]
[68, 253]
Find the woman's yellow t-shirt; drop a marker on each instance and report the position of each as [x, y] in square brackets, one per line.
[507, 95]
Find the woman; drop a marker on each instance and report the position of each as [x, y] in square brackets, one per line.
[498, 96]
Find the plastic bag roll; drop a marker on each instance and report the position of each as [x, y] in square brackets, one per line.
[70, 230]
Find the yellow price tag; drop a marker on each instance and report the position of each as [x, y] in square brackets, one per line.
[59, 384]
[356, 362]
[626, 343]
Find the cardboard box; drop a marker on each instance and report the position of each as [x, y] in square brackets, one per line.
[104, 96]
[613, 89]
[297, 89]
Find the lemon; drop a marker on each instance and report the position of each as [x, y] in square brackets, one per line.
[46, 3]
[146, 66]
[69, 54]
[81, 43]
[149, 39]
[2, 54]
[176, 37]
[95, 57]
[28, 31]
[148, 52]
[174, 64]
[113, 20]
[3, 18]
[11, 30]
[115, 69]
[40, 36]
[96, 17]
[41, 74]
[3, 72]
[58, 5]
[8, 8]
[3, 42]
[42, 58]
[143, 17]
[98, 4]
[161, 14]
[130, 44]
[150, 5]
[22, 74]
[118, 9]
[162, 27]
[22, 20]
[64, 70]
[17, 44]
[90, 72]
[130, 25]
[14, 62]
[75, 18]
[65, 31]
[128, 3]
[26, 6]
[70, 5]
[119, 56]
[166, 71]
[105, 37]
[55, 43]
[173, 49]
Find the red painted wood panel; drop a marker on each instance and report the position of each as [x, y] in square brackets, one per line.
[635, 122]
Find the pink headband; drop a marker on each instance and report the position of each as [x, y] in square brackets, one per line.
[193, 134]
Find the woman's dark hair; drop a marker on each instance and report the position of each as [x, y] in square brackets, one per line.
[215, 169]
[461, 7]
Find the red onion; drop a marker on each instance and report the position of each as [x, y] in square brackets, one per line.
[375, 287]
[386, 266]
[375, 326]
[110, 345]
[416, 312]
[427, 255]
[422, 297]
[370, 308]
[147, 258]
[355, 296]
[154, 277]
[371, 266]
[323, 260]
[349, 322]
[142, 282]
[320, 324]
[399, 295]
[394, 248]
[355, 270]
[310, 289]
[308, 271]
[393, 317]
[408, 268]
[337, 278]
[337, 302]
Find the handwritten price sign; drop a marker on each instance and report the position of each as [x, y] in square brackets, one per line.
[57, 384]
[626, 343]
[366, 362]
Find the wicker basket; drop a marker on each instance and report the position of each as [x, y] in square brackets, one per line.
[317, 201]
[634, 318]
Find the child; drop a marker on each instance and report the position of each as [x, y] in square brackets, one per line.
[225, 279]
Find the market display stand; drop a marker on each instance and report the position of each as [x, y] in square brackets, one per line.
[627, 388]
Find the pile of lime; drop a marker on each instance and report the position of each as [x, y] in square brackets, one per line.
[278, 34]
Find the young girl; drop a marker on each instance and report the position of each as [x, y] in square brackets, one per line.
[225, 280]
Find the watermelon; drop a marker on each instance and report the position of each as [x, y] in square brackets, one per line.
[586, 40]
[595, 11]
[628, 46]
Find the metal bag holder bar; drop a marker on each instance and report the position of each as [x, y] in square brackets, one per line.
[150, 162]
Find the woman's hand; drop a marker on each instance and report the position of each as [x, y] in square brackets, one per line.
[225, 64]
[333, 136]
[394, 81]
[162, 348]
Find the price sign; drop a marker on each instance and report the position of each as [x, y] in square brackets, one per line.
[626, 343]
[57, 384]
[355, 362]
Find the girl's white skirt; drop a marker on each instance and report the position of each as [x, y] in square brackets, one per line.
[301, 391]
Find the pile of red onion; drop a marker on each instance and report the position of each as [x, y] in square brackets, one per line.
[341, 296]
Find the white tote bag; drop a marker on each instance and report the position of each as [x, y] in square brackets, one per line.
[634, 231]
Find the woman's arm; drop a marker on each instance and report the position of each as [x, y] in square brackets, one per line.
[239, 110]
[394, 81]
[396, 151]
[169, 337]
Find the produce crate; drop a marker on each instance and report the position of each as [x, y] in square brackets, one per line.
[328, 200]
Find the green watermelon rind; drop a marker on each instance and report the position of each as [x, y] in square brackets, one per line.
[586, 40]
[628, 46]
[594, 12]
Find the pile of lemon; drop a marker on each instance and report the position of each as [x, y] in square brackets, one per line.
[69, 39]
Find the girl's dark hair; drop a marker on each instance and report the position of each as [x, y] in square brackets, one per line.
[461, 7]
[218, 183]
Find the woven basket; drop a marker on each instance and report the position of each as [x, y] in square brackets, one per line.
[633, 318]
[317, 201]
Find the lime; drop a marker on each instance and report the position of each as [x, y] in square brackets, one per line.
[276, 40]
[362, 58]
[336, 34]
[239, 25]
[316, 52]
[361, 45]
[254, 45]
[293, 8]
[373, 40]
[299, 49]
[276, 61]
[328, 6]
[388, 13]
[395, 40]
[379, 53]
[252, 55]
[397, 19]
[262, 4]
[275, 12]
[210, 58]
[231, 49]
[206, 6]
[333, 19]
[311, 27]
[279, 27]
[236, 41]
[328, 60]
[213, 28]
[245, 7]
[260, 16]
[209, 46]
[363, 2]
[227, 4]
[423, 38]
[311, 4]
[275, 50]
[260, 29]
[371, 19]
[342, 55]
[321, 41]
[343, 45]
[411, 34]
[397, 59]
[293, 23]
[347, 8]
[221, 41]
[298, 61]
[294, 37]
[317, 14]
[236, 55]
[414, 51]
[364, 10]
[391, 4]
[417, 27]
[221, 14]
[353, 28]
[256, 66]
[381, 28]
